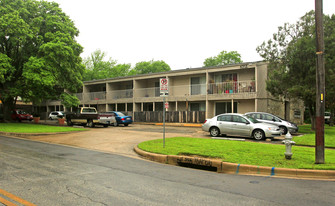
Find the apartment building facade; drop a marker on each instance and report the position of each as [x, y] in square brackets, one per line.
[202, 92]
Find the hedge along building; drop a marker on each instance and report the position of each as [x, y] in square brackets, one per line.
[194, 94]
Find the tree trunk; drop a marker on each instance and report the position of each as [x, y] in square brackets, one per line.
[331, 120]
[8, 107]
[312, 115]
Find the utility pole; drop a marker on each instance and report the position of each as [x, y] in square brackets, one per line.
[320, 86]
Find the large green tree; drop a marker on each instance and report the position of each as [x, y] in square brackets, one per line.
[99, 68]
[223, 58]
[292, 60]
[147, 67]
[39, 56]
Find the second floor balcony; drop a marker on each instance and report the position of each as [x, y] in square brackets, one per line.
[193, 90]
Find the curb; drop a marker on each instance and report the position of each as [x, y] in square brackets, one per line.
[33, 134]
[238, 169]
[171, 124]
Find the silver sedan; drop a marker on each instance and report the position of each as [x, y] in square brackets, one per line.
[239, 125]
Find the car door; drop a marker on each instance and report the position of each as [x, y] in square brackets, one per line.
[240, 126]
[267, 118]
[224, 123]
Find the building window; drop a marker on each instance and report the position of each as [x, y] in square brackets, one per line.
[197, 106]
[198, 85]
[297, 114]
[225, 107]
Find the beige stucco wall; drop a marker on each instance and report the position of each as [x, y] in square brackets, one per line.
[246, 75]
[179, 86]
[261, 77]
[245, 106]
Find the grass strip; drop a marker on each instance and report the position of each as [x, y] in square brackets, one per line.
[308, 139]
[34, 128]
[251, 153]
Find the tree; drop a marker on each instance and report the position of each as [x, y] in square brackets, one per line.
[39, 56]
[98, 68]
[292, 60]
[223, 58]
[150, 67]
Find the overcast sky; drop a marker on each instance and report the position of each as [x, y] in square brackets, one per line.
[183, 33]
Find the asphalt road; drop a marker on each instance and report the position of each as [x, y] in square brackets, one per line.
[48, 174]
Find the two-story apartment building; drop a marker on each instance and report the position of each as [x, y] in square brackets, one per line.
[238, 88]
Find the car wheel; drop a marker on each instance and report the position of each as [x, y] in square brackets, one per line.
[50, 118]
[69, 122]
[18, 119]
[125, 125]
[258, 134]
[105, 125]
[283, 130]
[214, 131]
[90, 123]
[115, 124]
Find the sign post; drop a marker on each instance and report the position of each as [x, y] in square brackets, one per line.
[164, 91]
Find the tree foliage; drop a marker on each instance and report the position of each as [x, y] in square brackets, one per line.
[223, 58]
[147, 67]
[39, 56]
[292, 60]
[98, 68]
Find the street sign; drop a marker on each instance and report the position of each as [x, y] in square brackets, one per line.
[164, 86]
[166, 105]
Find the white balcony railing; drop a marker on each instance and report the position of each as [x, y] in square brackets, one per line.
[222, 88]
[120, 94]
[232, 87]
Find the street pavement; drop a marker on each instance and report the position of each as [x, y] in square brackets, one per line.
[48, 174]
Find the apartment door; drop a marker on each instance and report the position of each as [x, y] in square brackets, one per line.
[225, 107]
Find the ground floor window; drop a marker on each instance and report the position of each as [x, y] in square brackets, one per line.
[225, 107]
[198, 106]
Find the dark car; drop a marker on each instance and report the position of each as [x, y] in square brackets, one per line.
[20, 115]
[117, 118]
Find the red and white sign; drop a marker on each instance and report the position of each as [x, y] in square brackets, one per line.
[164, 86]
[166, 105]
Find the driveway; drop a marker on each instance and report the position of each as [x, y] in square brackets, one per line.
[118, 140]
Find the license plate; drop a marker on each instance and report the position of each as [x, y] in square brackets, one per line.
[128, 118]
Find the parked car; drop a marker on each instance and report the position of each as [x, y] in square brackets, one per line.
[239, 125]
[55, 115]
[327, 117]
[284, 125]
[116, 118]
[84, 116]
[20, 115]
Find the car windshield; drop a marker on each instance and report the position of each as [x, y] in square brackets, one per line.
[251, 119]
[120, 114]
[21, 112]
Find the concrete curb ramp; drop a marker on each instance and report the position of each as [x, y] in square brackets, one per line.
[240, 169]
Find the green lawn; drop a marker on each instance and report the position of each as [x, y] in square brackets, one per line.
[259, 154]
[34, 128]
[308, 138]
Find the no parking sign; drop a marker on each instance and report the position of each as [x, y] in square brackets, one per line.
[164, 86]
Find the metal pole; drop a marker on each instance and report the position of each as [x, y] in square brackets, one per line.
[320, 85]
[164, 122]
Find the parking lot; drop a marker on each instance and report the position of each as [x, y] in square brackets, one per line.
[121, 140]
